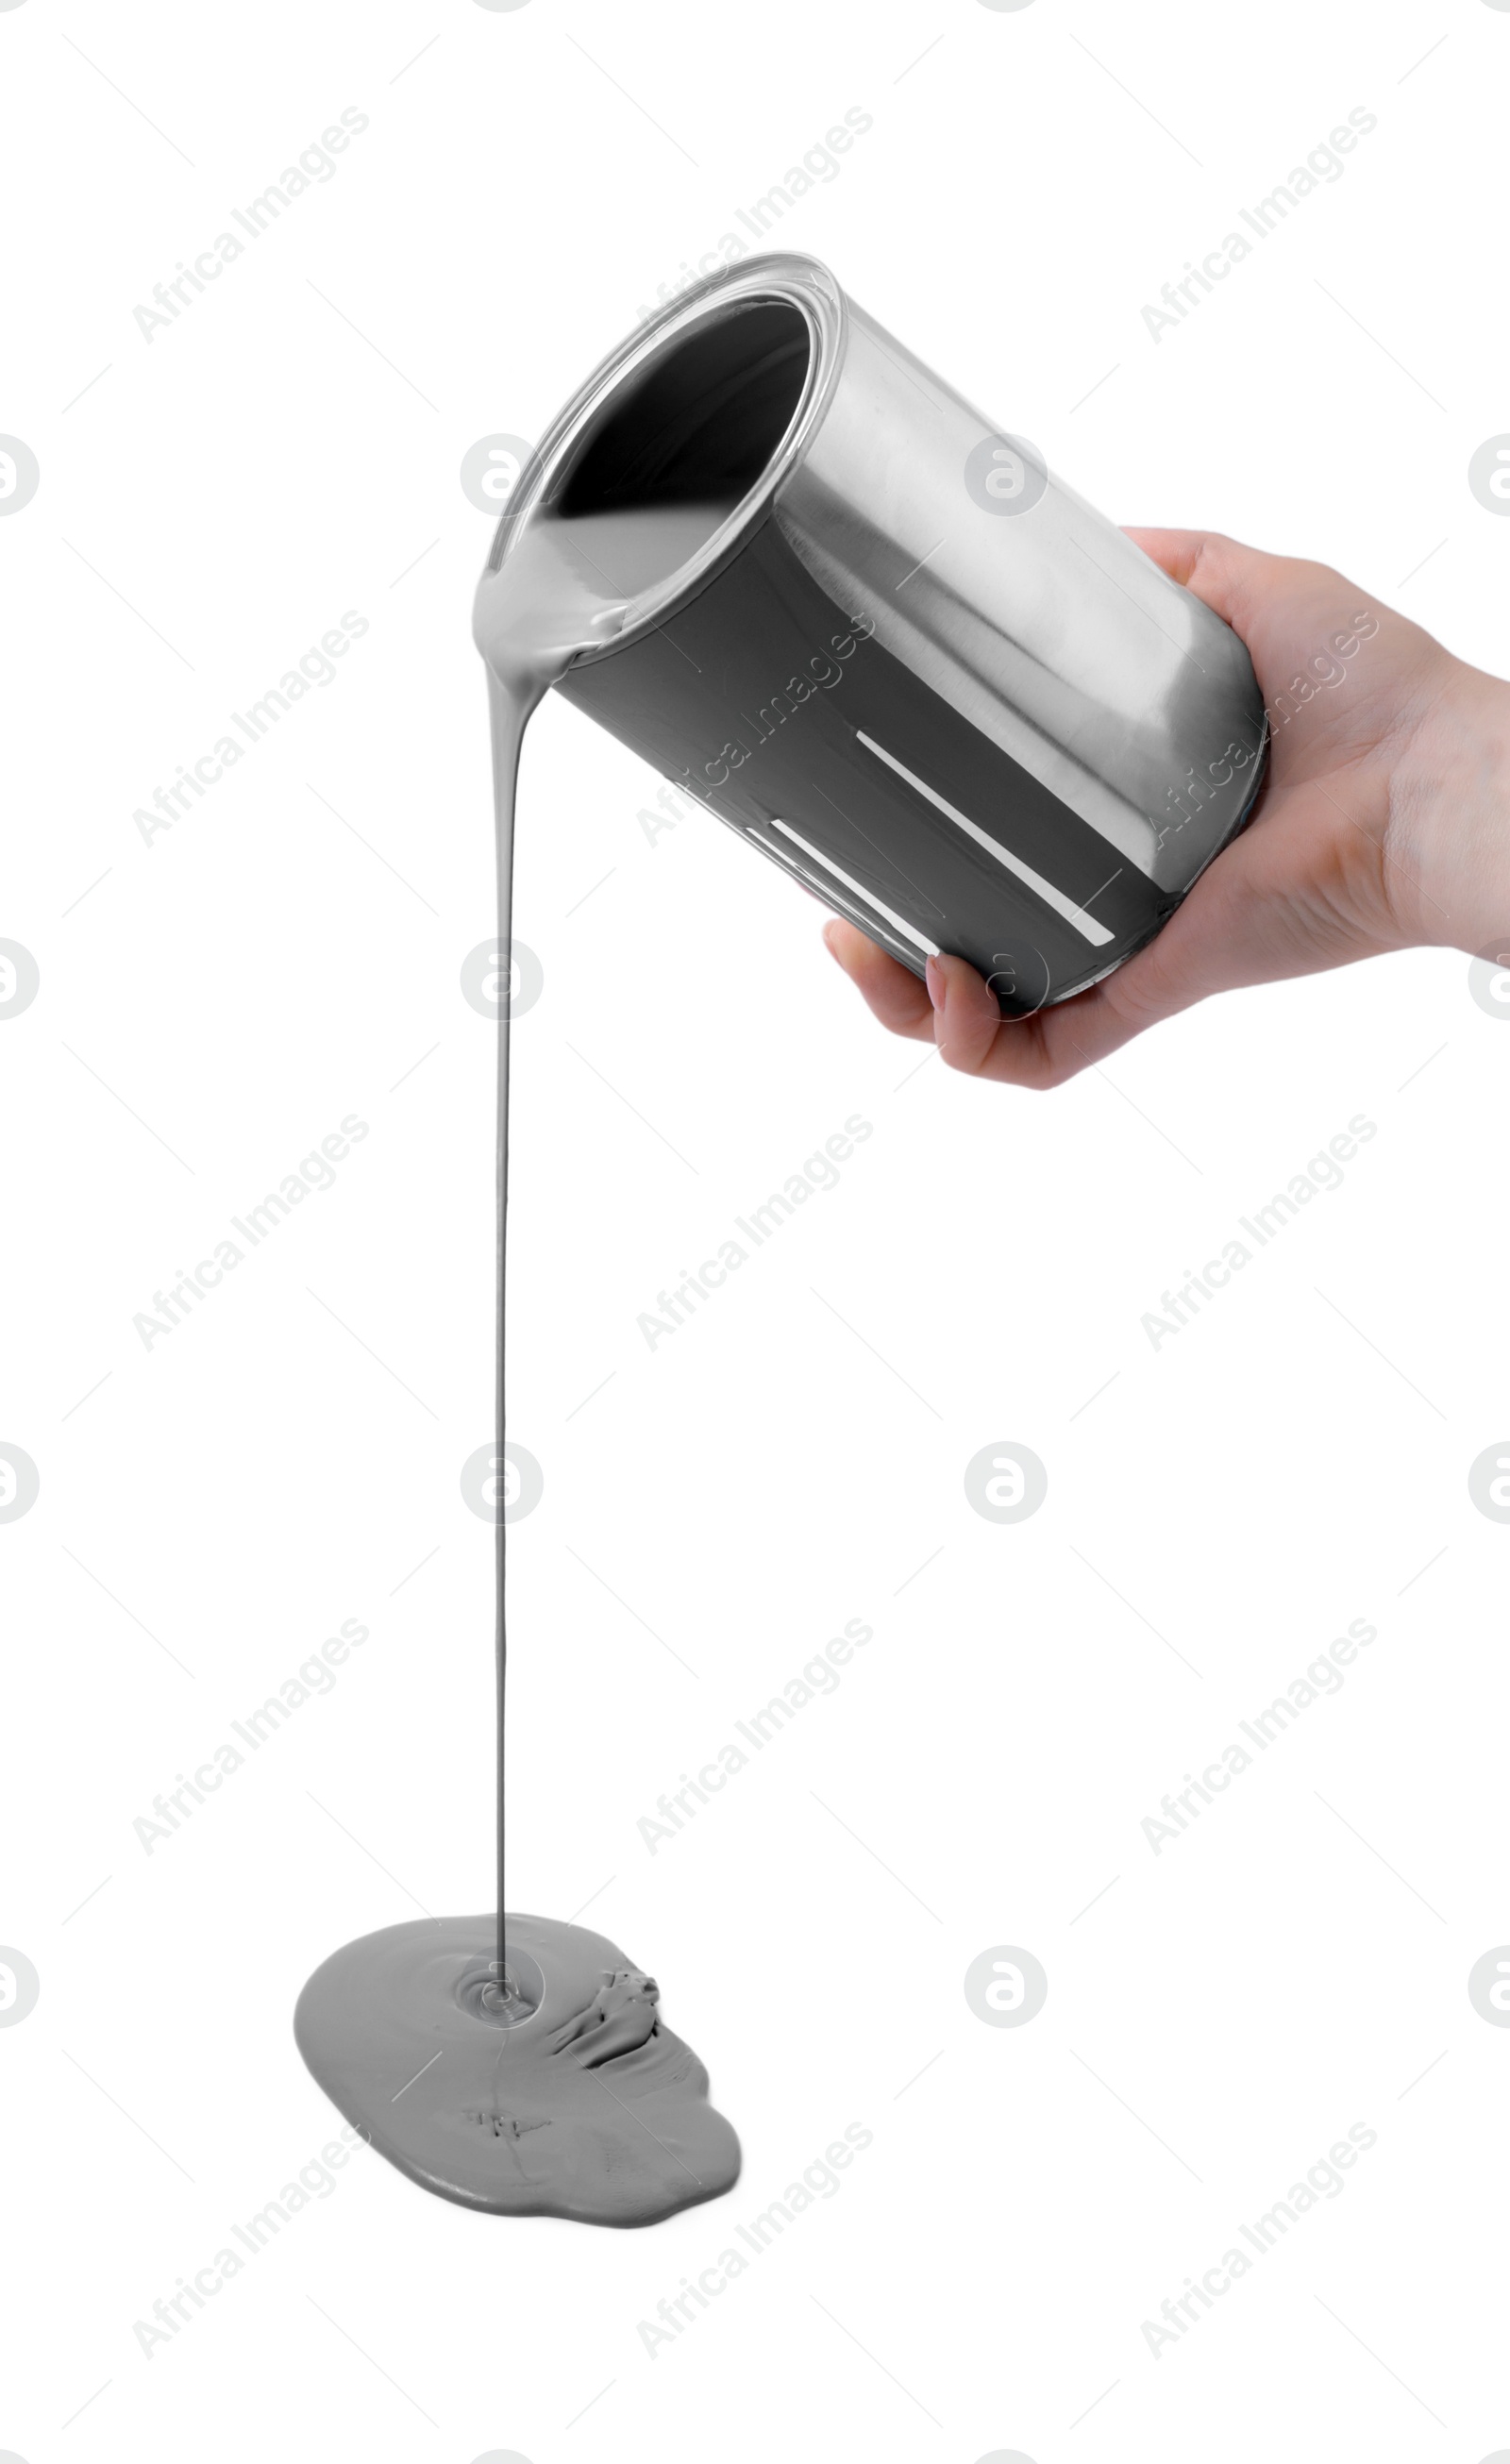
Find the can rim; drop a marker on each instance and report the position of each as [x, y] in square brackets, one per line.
[790, 280]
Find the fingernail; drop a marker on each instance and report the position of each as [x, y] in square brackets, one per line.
[829, 942]
[937, 987]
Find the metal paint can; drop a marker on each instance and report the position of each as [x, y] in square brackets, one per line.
[908, 664]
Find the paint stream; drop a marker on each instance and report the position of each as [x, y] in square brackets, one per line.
[563, 586]
[517, 2064]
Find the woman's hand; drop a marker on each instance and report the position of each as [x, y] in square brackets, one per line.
[1384, 822]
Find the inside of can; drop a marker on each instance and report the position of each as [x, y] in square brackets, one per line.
[700, 421]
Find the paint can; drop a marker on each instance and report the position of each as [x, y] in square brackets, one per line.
[906, 663]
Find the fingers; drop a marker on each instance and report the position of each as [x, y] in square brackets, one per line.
[894, 994]
[968, 1026]
[1055, 1044]
[1299, 894]
[956, 1012]
[1232, 579]
[1214, 941]
[1276, 905]
[1290, 613]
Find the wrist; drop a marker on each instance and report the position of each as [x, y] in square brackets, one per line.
[1449, 827]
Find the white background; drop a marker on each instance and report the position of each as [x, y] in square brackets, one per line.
[212, 1003]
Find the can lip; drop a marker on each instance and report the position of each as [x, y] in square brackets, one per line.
[800, 283]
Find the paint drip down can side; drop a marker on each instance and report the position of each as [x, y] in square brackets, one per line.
[889, 647]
